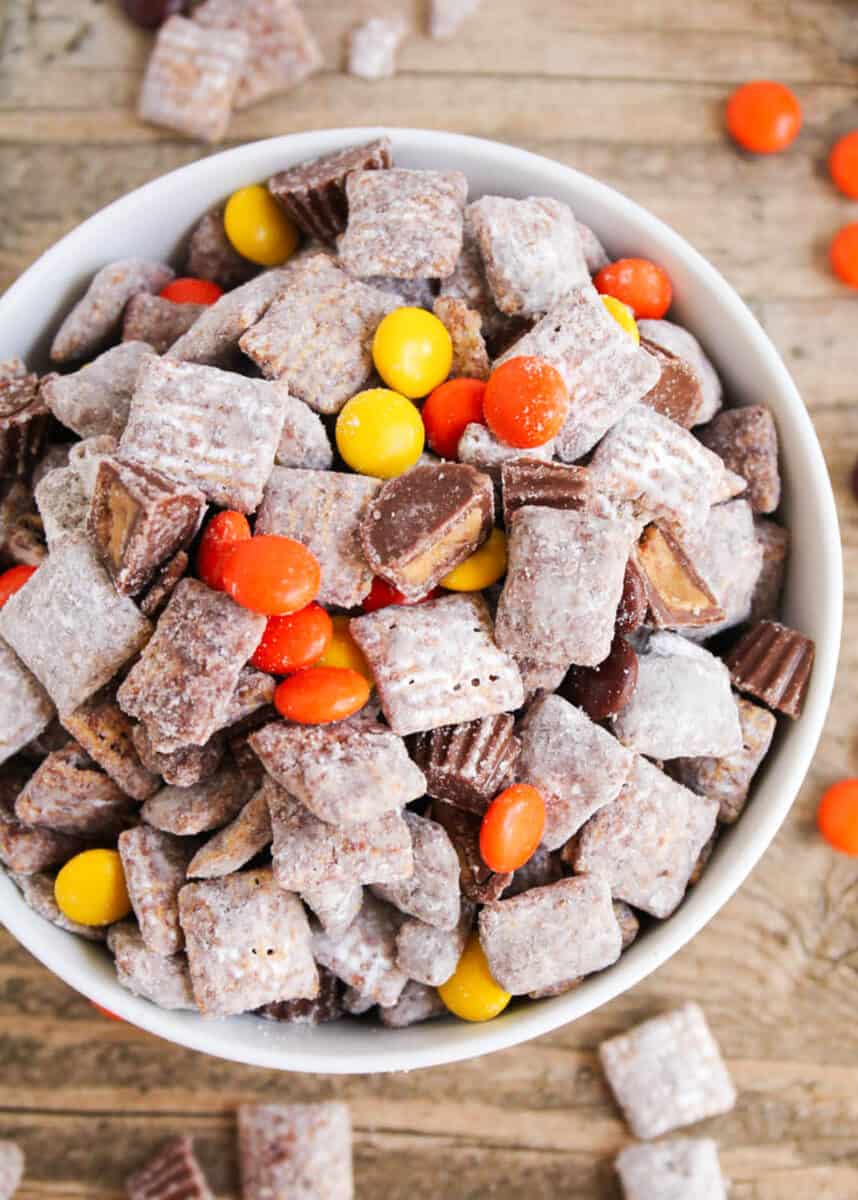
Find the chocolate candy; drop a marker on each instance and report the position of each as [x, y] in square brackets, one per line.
[634, 602]
[774, 541]
[424, 523]
[673, 339]
[773, 663]
[21, 532]
[314, 193]
[468, 764]
[325, 1007]
[677, 595]
[173, 1172]
[95, 320]
[678, 393]
[478, 882]
[548, 484]
[165, 981]
[747, 441]
[24, 421]
[154, 598]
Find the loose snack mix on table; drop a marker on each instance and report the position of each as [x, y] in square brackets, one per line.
[437, 716]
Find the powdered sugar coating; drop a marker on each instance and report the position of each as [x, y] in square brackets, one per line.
[335, 905]
[25, 850]
[105, 732]
[211, 254]
[68, 795]
[303, 1151]
[213, 338]
[63, 505]
[323, 510]
[430, 955]
[550, 934]
[577, 766]
[417, 1003]
[155, 866]
[237, 843]
[38, 892]
[209, 804]
[668, 1072]
[437, 663]
[672, 1170]
[479, 447]
[646, 844]
[364, 956]
[94, 321]
[595, 254]
[445, 16]
[304, 442]
[157, 322]
[431, 891]
[313, 193]
[96, 399]
[464, 325]
[184, 766]
[729, 557]
[32, 711]
[681, 342]
[373, 46]
[11, 1168]
[248, 943]
[164, 981]
[208, 428]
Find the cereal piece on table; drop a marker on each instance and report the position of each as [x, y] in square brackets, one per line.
[563, 585]
[304, 441]
[408, 224]
[464, 325]
[431, 892]
[317, 335]
[677, 595]
[747, 441]
[468, 764]
[38, 891]
[373, 46]
[95, 399]
[479, 447]
[248, 943]
[173, 1173]
[213, 338]
[478, 883]
[345, 773]
[11, 1168]
[682, 705]
[139, 519]
[546, 484]
[327, 1006]
[153, 599]
[531, 251]
[211, 254]
[155, 866]
[309, 854]
[68, 795]
[283, 51]
[63, 505]
[192, 78]
[673, 339]
[672, 1170]
[313, 193]
[335, 905]
[32, 710]
[577, 766]
[104, 731]
[21, 532]
[667, 1073]
[774, 543]
[70, 626]
[678, 394]
[364, 956]
[595, 254]
[24, 422]
[96, 318]
[605, 371]
[430, 955]
[727, 554]
[202, 807]
[323, 510]
[550, 934]
[649, 459]
[182, 686]
[445, 16]
[728, 779]
[302, 1151]
[424, 523]
[773, 663]
[232, 848]
[183, 767]
[164, 981]
[646, 844]
[437, 663]
[157, 322]
[417, 1003]
[206, 428]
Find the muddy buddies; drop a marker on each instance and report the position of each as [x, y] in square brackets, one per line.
[389, 617]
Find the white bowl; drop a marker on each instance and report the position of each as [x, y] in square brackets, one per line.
[152, 222]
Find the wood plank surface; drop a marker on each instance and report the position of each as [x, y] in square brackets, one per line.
[634, 94]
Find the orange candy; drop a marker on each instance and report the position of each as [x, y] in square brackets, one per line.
[844, 254]
[837, 816]
[382, 594]
[319, 695]
[451, 407]
[512, 828]
[763, 117]
[843, 164]
[292, 642]
[191, 291]
[105, 1012]
[221, 536]
[638, 283]
[12, 581]
[272, 575]
[525, 402]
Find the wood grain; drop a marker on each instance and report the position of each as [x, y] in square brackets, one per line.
[632, 93]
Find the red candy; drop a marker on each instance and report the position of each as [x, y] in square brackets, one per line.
[272, 575]
[320, 695]
[191, 291]
[512, 828]
[105, 1012]
[525, 402]
[763, 116]
[639, 283]
[292, 642]
[12, 581]
[221, 536]
[844, 254]
[382, 594]
[843, 164]
[448, 410]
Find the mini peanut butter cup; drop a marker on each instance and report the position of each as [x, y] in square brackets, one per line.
[313, 193]
[548, 484]
[678, 595]
[773, 663]
[467, 764]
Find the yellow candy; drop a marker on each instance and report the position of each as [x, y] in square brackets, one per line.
[623, 315]
[412, 351]
[343, 650]
[482, 569]
[90, 889]
[470, 992]
[258, 228]
[380, 433]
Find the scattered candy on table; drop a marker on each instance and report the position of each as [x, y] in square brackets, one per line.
[844, 254]
[763, 116]
[843, 164]
[837, 816]
[380, 433]
[90, 889]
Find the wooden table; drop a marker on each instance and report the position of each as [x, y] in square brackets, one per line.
[633, 93]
